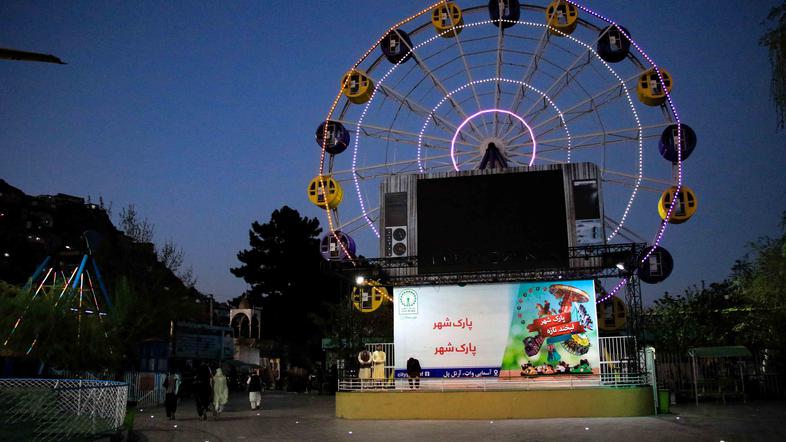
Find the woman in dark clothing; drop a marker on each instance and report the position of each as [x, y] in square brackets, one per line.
[203, 391]
[172, 387]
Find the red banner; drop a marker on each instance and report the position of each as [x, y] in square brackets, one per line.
[555, 325]
[562, 329]
[547, 321]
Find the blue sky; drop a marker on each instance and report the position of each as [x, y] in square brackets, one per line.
[202, 114]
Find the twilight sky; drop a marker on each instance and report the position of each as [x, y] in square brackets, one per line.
[202, 114]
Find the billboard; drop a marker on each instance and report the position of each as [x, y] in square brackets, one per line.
[202, 341]
[511, 330]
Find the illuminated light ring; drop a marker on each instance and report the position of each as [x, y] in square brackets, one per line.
[488, 111]
[526, 23]
[664, 223]
[335, 103]
[489, 80]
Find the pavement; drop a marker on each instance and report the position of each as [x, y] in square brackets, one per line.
[310, 417]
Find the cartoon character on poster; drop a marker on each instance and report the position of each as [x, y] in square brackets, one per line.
[552, 331]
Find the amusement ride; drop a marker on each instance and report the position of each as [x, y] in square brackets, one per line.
[504, 85]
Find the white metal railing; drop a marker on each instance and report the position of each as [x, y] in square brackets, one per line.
[146, 388]
[470, 384]
[60, 409]
[390, 355]
[618, 368]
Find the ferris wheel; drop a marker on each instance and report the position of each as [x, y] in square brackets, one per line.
[504, 84]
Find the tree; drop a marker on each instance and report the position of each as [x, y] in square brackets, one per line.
[171, 256]
[701, 316]
[282, 250]
[775, 41]
[761, 281]
[283, 269]
[140, 230]
[45, 327]
[748, 308]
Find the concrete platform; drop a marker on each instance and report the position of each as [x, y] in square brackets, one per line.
[301, 417]
[513, 404]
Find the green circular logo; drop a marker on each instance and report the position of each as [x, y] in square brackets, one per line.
[408, 298]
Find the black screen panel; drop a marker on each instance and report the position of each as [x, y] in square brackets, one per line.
[585, 199]
[492, 222]
[396, 209]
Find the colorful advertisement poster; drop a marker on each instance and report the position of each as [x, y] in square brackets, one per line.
[497, 330]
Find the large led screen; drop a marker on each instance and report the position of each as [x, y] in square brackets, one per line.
[532, 329]
[505, 221]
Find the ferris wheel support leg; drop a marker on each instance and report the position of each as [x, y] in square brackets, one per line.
[635, 318]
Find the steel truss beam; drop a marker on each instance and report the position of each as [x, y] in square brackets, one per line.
[588, 262]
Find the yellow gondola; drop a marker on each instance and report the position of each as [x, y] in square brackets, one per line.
[562, 16]
[447, 18]
[684, 207]
[650, 89]
[612, 315]
[357, 86]
[325, 192]
[369, 297]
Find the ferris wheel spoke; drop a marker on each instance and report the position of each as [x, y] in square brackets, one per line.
[630, 185]
[355, 223]
[631, 176]
[424, 67]
[530, 72]
[595, 139]
[362, 223]
[528, 155]
[575, 68]
[514, 158]
[419, 109]
[497, 86]
[469, 76]
[625, 134]
[410, 137]
[589, 106]
[369, 172]
[471, 160]
[623, 231]
[603, 97]
[561, 83]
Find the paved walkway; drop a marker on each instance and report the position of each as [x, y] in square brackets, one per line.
[301, 417]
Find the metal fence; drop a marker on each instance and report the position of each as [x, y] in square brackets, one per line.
[468, 384]
[719, 378]
[620, 362]
[620, 365]
[146, 388]
[390, 356]
[60, 409]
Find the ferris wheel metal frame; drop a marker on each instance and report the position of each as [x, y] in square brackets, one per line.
[477, 124]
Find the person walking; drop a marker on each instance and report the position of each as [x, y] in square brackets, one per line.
[202, 389]
[220, 392]
[413, 371]
[255, 390]
[172, 387]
